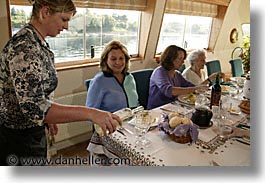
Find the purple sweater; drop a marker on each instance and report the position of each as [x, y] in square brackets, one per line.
[160, 89]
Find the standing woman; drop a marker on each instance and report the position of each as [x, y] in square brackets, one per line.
[28, 79]
[166, 83]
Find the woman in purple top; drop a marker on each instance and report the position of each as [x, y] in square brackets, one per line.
[165, 83]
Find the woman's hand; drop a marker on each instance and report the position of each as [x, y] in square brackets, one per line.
[105, 120]
[202, 87]
[53, 129]
[213, 76]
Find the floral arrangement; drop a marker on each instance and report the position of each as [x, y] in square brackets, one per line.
[245, 56]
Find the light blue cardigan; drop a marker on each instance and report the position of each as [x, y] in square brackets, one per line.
[107, 94]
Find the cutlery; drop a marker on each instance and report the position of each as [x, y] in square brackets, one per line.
[214, 163]
[243, 127]
[121, 132]
[125, 129]
[152, 128]
[244, 138]
[243, 142]
[167, 110]
[182, 104]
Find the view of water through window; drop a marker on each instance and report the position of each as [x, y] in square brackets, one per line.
[89, 27]
[92, 27]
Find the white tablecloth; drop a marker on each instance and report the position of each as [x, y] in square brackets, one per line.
[164, 152]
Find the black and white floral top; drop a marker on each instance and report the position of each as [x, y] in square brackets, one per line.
[27, 80]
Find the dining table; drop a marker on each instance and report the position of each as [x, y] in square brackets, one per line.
[210, 149]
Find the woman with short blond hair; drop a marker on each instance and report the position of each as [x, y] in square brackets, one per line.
[28, 79]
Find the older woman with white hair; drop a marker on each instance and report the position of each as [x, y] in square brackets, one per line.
[195, 73]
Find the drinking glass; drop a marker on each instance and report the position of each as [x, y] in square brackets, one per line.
[224, 122]
[240, 83]
[226, 106]
[233, 91]
[142, 124]
[201, 102]
[224, 127]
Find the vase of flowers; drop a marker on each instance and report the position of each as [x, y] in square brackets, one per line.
[245, 56]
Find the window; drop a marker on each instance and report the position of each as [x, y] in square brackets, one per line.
[188, 32]
[246, 29]
[90, 27]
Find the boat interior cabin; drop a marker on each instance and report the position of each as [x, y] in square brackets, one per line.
[146, 27]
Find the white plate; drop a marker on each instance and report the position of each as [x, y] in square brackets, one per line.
[157, 118]
[186, 99]
[237, 78]
[225, 89]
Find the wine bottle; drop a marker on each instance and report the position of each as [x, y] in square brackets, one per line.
[216, 92]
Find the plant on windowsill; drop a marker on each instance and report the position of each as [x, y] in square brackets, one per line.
[245, 56]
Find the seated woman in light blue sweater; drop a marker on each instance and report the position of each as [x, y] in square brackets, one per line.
[113, 88]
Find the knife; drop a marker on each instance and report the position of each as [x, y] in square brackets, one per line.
[121, 132]
[243, 142]
[244, 127]
[127, 130]
[167, 110]
[182, 104]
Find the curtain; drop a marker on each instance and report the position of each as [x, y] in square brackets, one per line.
[186, 7]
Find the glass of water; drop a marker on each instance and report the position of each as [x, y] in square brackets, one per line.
[143, 121]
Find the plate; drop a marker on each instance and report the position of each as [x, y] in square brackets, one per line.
[156, 118]
[235, 112]
[187, 98]
[225, 89]
[237, 78]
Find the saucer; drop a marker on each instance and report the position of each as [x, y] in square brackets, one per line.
[205, 127]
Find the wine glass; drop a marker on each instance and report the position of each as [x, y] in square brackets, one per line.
[143, 122]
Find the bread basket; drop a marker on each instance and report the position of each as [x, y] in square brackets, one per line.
[182, 140]
[183, 133]
[245, 106]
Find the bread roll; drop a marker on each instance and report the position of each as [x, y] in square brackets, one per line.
[186, 120]
[100, 131]
[171, 115]
[175, 121]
